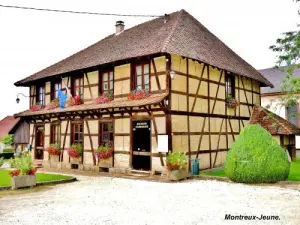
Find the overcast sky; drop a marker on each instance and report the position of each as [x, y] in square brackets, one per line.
[32, 40]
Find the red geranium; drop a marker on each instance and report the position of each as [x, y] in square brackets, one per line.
[14, 173]
[138, 94]
[53, 150]
[31, 171]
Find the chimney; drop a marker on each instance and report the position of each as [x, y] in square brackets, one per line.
[119, 27]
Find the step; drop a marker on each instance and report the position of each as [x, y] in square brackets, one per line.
[139, 172]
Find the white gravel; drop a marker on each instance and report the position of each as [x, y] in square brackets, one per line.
[102, 200]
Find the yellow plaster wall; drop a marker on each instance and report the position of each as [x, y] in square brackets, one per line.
[122, 71]
[160, 63]
[179, 123]
[88, 158]
[122, 125]
[121, 161]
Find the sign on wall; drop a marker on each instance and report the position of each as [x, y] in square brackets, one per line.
[162, 145]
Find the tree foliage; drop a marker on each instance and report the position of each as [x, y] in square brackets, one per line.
[287, 48]
[8, 139]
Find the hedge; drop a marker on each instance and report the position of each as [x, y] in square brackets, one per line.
[256, 157]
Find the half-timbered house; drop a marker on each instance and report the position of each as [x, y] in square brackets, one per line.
[190, 75]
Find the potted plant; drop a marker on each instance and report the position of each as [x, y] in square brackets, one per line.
[36, 107]
[105, 97]
[138, 94]
[24, 173]
[176, 166]
[231, 102]
[104, 155]
[74, 101]
[75, 153]
[54, 152]
[53, 104]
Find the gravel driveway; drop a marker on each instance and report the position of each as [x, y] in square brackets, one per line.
[104, 200]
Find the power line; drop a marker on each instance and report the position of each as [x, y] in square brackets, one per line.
[76, 12]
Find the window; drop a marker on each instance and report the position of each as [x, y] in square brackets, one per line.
[77, 88]
[77, 133]
[292, 114]
[55, 86]
[141, 76]
[40, 95]
[229, 85]
[55, 134]
[106, 134]
[106, 81]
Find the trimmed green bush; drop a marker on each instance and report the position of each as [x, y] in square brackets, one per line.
[8, 150]
[256, 157]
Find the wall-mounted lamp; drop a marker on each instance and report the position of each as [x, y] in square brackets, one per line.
[172, 74]
[166, 102]
[18, 100]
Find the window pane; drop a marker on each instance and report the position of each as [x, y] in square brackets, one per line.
[105, 77]
[105, 137]
[111, 76]
[105, 127]
[111, 86]
[111, 136]
[76, 137]
[105, 86]
[147, 87]
[146, 69]
[138, 70]
[146, 79]
[81, 128]
[111, 127]
[77, 82]
[139, 87]
[139, 80]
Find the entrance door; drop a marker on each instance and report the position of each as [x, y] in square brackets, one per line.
[141, 145]
[39, 142]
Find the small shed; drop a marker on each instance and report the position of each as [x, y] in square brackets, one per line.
[19, 128]
[282, 130]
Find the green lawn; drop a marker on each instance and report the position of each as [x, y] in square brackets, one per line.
[294, 172]
[5, 179]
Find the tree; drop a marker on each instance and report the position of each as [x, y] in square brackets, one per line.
[287, 48]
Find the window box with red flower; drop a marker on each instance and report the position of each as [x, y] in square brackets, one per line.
[54, 152]
[75, 153]
[138, 94]
[177, 166]
[53, 104]
[231, 102]
[36, 107]
[24, 175]
[74, 101]
[105, 97]
[104, 155]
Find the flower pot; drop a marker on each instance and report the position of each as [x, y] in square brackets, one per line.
[23, 181]
[177, 174]
[105, 163]
[76, 160]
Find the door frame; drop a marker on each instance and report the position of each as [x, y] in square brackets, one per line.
[131, 139]
[35, 144]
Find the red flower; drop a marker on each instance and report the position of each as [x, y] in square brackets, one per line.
[14, 173]
[73, 153]
[31, 172]
[53, 150]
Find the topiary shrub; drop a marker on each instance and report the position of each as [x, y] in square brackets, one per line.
[256, 157]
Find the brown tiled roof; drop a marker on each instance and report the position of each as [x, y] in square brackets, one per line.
[7, 124]
[274, 124]
[181, 35]
[118, 103]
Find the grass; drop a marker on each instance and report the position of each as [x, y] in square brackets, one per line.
[293, 176]
[5, 179]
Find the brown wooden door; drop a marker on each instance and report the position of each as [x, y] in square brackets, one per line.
[141, 145]
[39, 142]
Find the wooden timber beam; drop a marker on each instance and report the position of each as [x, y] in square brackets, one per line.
[246, 97]
[198, 88]
[233, 138]
[200, 140]
[147, 110]
[64, 142]
[90, 89]
[156, 75]
[156, 137]
[218, 144]
[217, 92]
[91, 141]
